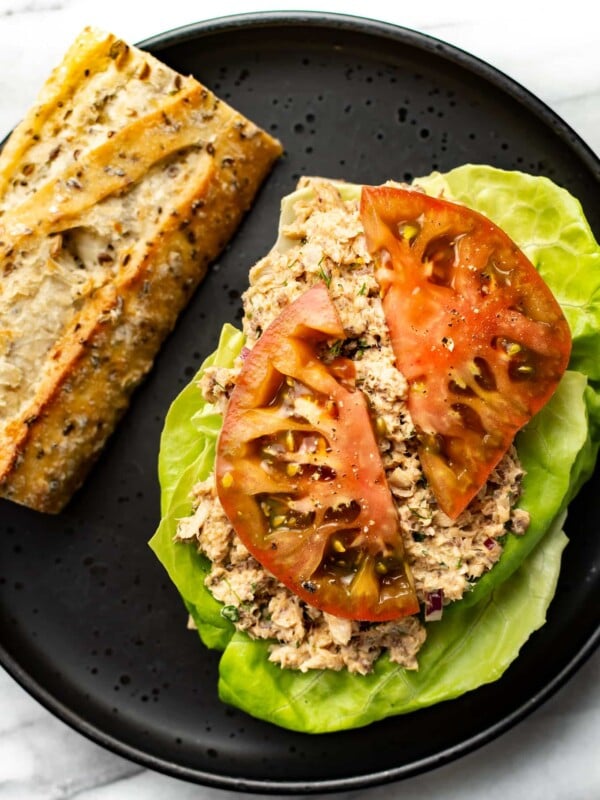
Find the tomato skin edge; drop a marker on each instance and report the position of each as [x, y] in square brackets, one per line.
[457, 295]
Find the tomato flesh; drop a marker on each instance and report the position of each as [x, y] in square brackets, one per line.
[475, 330]
[300, 476]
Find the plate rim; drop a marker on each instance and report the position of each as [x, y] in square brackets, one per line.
[255, 786]
[342, 22]
[364, 24]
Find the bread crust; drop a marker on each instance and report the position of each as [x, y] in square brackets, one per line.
[139, 210]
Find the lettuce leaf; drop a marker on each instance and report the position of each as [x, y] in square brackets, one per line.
[557, 454]
[186, 456]
[481, 635]
[471, 646]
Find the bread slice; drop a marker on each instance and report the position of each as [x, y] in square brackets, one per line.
[116, 191]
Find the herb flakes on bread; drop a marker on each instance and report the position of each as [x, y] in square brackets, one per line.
[116, 191]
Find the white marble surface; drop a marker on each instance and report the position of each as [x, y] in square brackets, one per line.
[553, 50]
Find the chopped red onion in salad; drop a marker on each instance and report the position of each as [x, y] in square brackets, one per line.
[434, 605]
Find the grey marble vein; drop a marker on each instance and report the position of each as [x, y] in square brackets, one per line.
[31, 8]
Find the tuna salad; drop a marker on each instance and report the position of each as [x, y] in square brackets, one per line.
[364, 492]
[325, 242]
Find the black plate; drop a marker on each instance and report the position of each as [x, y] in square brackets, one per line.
[89, 622]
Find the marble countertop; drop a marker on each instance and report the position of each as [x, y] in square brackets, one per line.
[553, 53]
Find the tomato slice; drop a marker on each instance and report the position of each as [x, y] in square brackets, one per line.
[300, 476]
[475, 330]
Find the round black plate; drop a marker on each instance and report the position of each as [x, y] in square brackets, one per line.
[89, 622]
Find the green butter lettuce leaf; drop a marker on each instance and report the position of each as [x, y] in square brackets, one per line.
[557, 454]
[481, 635]
[471, 646]
[187, 454]
[191, 424]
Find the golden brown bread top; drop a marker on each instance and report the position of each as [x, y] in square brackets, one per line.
[116, 191]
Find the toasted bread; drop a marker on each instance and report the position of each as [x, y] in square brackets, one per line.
[116, 192]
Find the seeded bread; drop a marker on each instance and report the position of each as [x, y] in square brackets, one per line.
[116, 191]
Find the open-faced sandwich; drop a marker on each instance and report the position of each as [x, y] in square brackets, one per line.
[363, 491]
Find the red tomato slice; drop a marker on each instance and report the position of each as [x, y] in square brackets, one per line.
[475, 330]
[300, 476]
